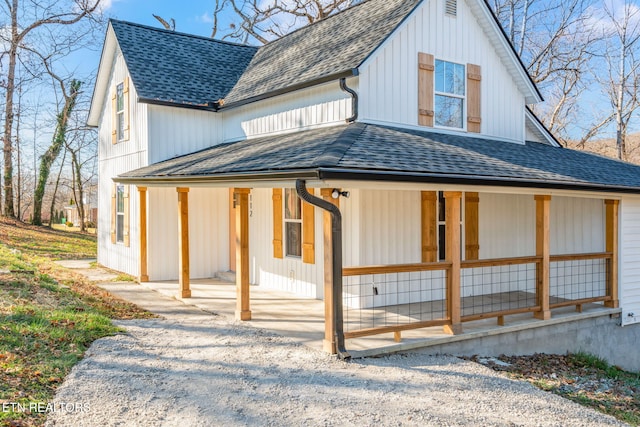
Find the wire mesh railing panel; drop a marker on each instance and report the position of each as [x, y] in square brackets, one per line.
[393, 299]
[499, 288]
[578, 279]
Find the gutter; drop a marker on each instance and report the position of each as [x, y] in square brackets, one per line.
[336, 263]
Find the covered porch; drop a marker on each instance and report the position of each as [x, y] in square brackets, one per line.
[272, 311]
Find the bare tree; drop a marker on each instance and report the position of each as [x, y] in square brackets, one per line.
[261, 21]
[622, 29]
[25, 20]
[556, 43]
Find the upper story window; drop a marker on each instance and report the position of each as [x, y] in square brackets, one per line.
[449, 94]
[120, 112]
[292, 223]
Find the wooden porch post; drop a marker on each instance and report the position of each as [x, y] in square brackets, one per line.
[429, 220]
[144, 275]
[453, 255]
[183, 242]
[329, 342]
[612, 211]
[241, 196]
[543, 209]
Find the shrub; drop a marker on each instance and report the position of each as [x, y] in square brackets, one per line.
[69, 224]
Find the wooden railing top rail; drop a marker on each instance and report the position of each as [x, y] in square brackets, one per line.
[579, 257]
[395, 268]
[497, 262]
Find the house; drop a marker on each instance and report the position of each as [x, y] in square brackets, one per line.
[383, 159]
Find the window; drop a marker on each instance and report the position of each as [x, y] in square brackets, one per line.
[120, 214]
[449, 94]
[292, 223]
[120, 112]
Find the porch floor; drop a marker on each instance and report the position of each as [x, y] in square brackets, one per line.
[302, 319]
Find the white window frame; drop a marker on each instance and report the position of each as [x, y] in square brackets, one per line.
[437, 93]
[120, 99]
[120, 214]
[285, 221]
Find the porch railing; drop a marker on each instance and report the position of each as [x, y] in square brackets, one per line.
[395, 298]
[579, 279]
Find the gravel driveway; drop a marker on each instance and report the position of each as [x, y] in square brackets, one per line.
[194, 368]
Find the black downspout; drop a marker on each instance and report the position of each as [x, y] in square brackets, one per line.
[336, 241]
[354, 97]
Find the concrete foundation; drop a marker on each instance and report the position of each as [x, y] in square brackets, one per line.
[601, 336]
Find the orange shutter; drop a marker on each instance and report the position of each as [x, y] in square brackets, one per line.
[308, 232]
[277, 222]
[429, 226]
[114, 117]
[125, 224]
[113, 213]
[471, 227]
[425, 89]
[125, 95]
[474, 77]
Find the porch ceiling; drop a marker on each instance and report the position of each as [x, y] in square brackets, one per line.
[372, 152]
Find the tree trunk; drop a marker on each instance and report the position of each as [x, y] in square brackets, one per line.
[55, 192]
[52, 153]
[8, 116]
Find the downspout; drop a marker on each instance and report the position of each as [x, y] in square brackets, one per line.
[336, 242]
[354, 98]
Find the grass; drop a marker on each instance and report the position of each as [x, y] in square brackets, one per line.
[49, 316]
[584, 378]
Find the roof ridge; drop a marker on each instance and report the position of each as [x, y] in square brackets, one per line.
[336, 151]
[180, 33]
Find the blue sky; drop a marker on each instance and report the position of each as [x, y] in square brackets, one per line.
[192, 16]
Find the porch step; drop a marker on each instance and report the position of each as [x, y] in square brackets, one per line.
[227, 276]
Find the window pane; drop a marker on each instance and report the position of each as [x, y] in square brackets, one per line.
[291, 204]
[119, 228]
[293, 231]
[120, 97]
[440, 65]
[120, 126]
[120, 199]
[449, 78]
[448, 111]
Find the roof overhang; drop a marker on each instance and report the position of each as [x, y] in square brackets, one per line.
[262, 179]
[101, 88]
[534, 123]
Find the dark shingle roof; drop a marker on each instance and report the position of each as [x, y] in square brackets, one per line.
[337, 44]
[389, 153]
[180, 68]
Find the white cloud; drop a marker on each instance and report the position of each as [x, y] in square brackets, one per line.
[610, 12]
[205, 17]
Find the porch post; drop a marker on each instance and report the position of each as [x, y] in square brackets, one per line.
[144, 275]
[241, 201]
[329, 342]
[232, 232]
[612, 211]
[543, 208]
[183, 242]
[453, 255]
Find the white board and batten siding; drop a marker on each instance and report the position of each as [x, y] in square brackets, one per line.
[321, 105]
[389, 78]
[178, 131]
[114, 160]
[208, 232]
[629, 267]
